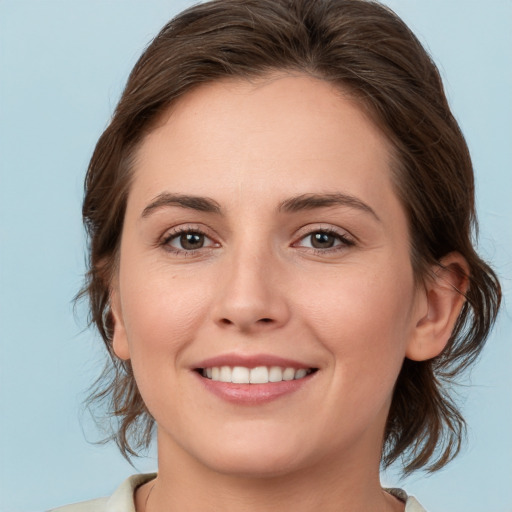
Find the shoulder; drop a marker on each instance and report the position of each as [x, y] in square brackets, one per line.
[120, 501]
[411, 503]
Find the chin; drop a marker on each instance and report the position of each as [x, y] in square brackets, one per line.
[258, 454]
[255, 464]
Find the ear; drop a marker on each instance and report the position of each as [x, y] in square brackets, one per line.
[439, 308]
[119, 340]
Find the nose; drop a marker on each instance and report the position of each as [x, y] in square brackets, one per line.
[251, 294]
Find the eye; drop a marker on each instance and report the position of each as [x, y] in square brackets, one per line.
[187, 241]
[324, 240]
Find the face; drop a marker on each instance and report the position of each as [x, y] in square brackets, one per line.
[263, 241]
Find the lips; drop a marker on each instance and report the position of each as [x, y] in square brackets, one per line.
[253, 379]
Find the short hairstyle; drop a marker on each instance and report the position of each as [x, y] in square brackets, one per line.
[367, 51]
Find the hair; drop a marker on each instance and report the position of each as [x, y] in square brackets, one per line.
[366, 50]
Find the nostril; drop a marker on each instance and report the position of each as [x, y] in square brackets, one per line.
[246, 323]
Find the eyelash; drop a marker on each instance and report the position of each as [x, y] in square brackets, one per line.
[177, 233]
[344, 239]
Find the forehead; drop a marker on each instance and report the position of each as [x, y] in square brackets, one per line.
[289, 133]
[282, 105]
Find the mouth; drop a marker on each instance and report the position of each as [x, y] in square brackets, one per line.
[256, 375]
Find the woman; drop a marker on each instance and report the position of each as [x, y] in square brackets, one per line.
[281, 267]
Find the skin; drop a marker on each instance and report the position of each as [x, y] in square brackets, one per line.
[258, 286]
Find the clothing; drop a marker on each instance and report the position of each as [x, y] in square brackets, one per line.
[122, 499]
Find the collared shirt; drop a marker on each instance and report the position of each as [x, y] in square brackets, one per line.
[123, 498]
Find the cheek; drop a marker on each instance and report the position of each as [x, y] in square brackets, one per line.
[162, 316]
[161, 311]
[363, 317]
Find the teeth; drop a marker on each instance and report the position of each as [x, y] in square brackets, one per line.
[289, 374]
[299, 374]
[240, 375]
[257, 375]
[225, 374]
[275, 374]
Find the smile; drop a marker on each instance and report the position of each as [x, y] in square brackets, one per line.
[257, 375]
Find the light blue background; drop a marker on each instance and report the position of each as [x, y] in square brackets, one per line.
[63, 64]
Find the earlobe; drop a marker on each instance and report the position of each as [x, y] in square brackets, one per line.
[119, 339]
[445, 294]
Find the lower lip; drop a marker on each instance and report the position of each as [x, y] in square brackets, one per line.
[253, 394]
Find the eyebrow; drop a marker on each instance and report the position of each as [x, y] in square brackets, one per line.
[313, 201]
[202, 204]
[291, 205]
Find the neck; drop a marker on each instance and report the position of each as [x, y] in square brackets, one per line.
[184, 484]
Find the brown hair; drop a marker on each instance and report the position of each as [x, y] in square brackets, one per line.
[365, 49]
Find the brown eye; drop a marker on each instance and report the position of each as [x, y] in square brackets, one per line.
[325, 240]
[187, 241]
[322, 240]
[191, 241]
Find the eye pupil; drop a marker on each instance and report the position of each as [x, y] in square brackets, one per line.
[322, 240]
[191, 241]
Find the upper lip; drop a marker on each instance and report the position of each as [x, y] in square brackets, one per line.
[251, 361]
